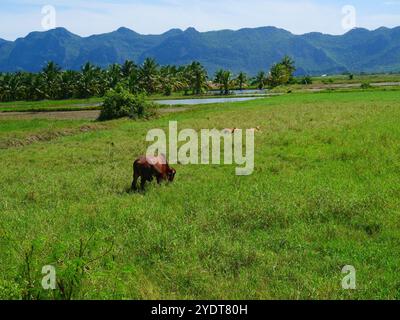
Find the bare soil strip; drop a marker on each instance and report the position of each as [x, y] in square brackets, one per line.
[67, 115]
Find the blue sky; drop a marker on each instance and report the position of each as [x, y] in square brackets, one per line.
[86, 17]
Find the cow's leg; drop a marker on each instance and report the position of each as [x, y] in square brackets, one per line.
[135, 180]
[159, 179]
[142, 183]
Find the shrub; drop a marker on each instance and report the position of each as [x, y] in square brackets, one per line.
[328, 81]
[120, 103]
[365, 85]
[9, 291]
[306, 80]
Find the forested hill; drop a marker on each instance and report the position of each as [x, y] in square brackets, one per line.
[248, 50]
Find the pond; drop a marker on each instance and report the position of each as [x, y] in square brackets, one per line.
[241, 92]
[202, 101]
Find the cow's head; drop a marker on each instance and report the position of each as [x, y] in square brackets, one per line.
[171, 174]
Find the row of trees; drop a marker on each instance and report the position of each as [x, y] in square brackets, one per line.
[149, 78]
[281, 73]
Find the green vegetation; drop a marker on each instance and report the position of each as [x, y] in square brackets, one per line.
[83, 90]
[54, 84]
[260, 80]
[306, 80]
[120, 103]
[365, 85]
[338, 83]
[223, 78]
[324, 194]
[282, 73]
[241, 80]
[150, 79]
[16, 128]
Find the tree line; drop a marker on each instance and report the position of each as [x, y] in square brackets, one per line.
[52, 83]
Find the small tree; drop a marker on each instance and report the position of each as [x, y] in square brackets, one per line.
[289, 65]
[241, 80]
[195, 78]
[366, 85]
[282, 73]
[120, 103]
[224, 79]
[279, 75]
[306, 80]
[261, 80]
[149, 75]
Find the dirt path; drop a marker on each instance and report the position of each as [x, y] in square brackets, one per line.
[320, 87]
[68, 115]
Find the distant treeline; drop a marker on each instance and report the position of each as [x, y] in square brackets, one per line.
[149, 78]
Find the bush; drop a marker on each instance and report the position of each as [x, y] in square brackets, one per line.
[328, 81]
[306, 80]
[366, 85]
[9, 291]
[120, 103]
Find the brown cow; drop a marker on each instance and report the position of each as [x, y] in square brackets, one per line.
[148, 168]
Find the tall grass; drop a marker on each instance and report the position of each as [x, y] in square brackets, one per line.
[325, 194]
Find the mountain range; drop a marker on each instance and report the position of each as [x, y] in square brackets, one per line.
[249, 50]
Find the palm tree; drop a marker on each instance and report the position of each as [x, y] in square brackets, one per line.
[224, 79]
[133, 83]
[279, 75]
[12, 87]
[69, 82]
[127, 68]
[90, 81]
[51, 68]
[149, 75]
[6, 93]
[114, 75]
[241, 79]
[196, 76]
[51, 78]
[184, 75]
[218, 79]
[171, 80]
[261, 80]
[289, 64]
[36, 87]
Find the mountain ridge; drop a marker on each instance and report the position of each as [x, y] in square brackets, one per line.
[245, 49]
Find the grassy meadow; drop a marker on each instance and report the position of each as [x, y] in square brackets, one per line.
[325, 193]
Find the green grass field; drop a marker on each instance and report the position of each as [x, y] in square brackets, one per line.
[325, 193]
[337, 83]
